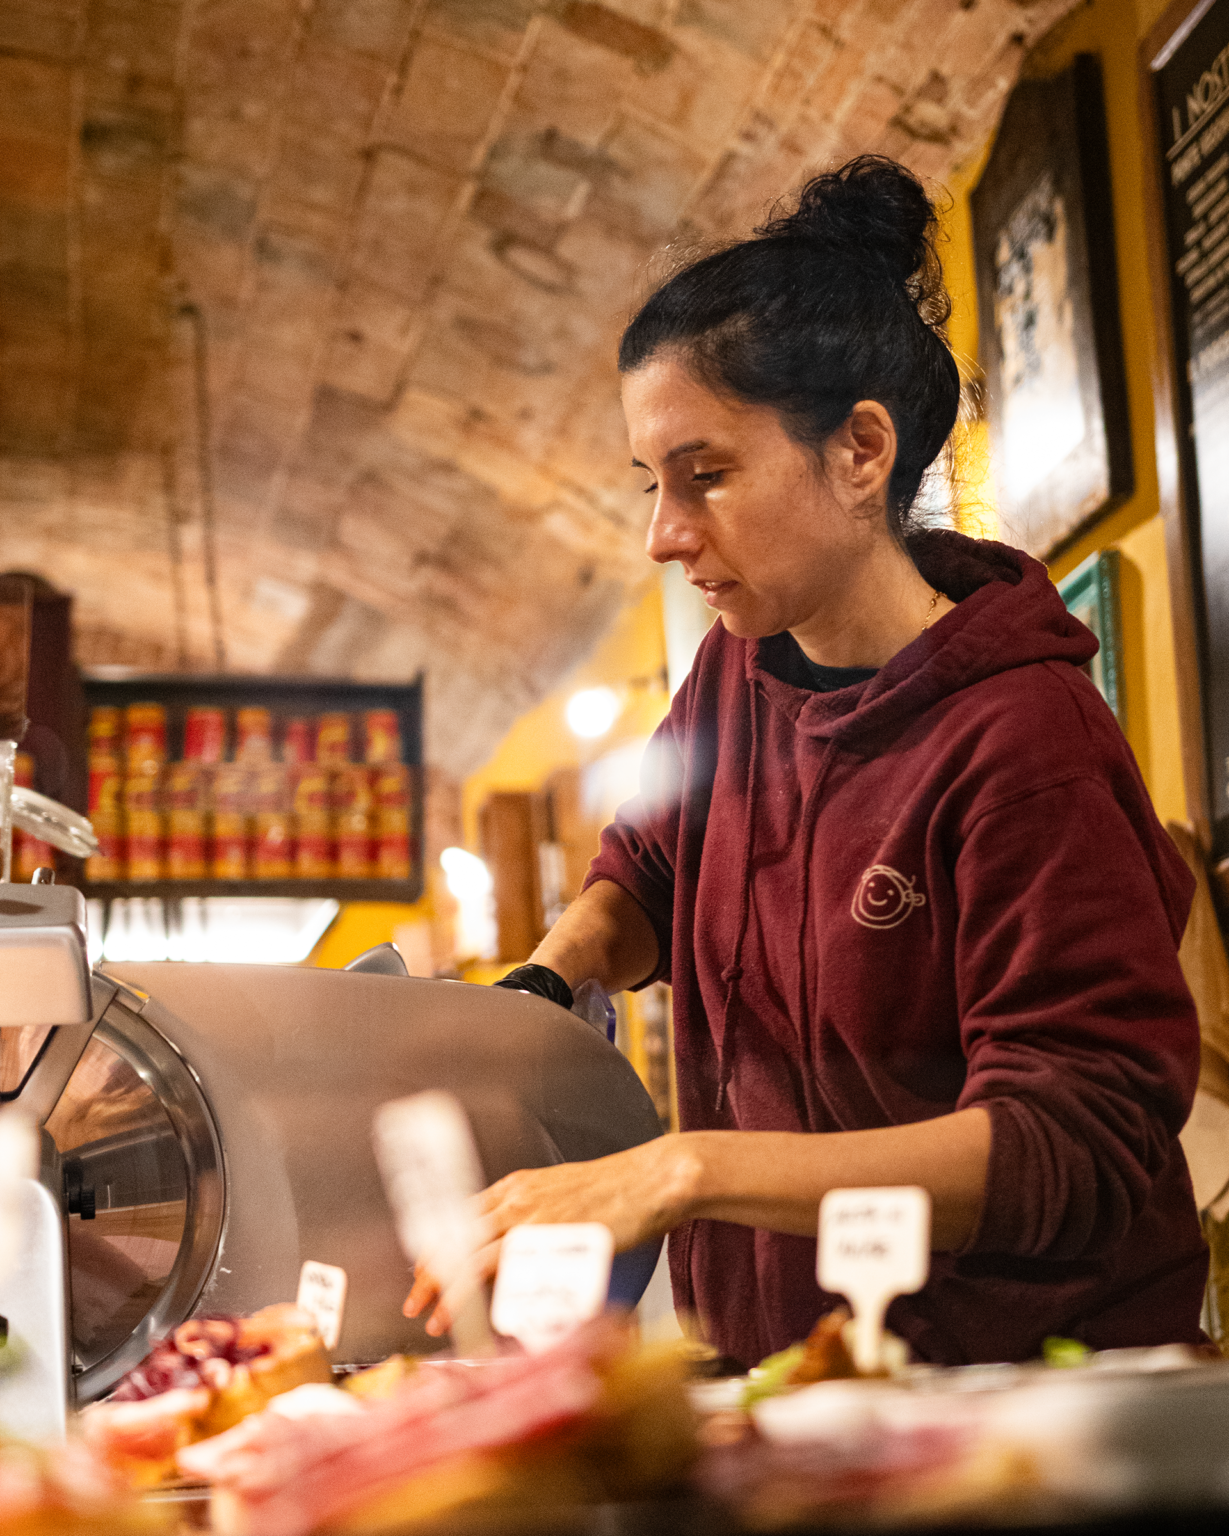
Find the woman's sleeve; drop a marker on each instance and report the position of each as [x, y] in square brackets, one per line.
[639, 848]
[1080, 1035]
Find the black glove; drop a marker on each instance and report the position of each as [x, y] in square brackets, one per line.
[541, 981]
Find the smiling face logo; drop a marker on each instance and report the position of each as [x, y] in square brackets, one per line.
[884, 898]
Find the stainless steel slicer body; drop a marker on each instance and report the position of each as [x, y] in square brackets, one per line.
[216, 1133]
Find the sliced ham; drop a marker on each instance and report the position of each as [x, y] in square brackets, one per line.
[278, 1476]
[150, 1430]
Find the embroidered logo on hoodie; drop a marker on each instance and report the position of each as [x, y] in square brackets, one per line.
[884, 897]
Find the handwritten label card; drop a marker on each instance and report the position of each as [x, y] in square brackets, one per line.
[551, 1279]
[322, 1292]
[874, 1244]
[431, 1172]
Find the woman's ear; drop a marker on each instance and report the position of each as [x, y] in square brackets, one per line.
[863, 450]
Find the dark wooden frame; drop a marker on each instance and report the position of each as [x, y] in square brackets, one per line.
[1057, 126]
[1173, 465]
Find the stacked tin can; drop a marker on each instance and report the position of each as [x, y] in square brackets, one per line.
[370, 798]
[268, 793]
[189, 786]
[313, 818]
[351, 801]
[144, 760]
[391, 796]
[106, 782]
[332, 804]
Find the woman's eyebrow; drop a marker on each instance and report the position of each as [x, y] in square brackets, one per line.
[676, 452]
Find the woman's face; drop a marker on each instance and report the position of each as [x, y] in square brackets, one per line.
[766, 532]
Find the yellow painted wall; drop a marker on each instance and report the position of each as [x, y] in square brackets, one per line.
[1111, 29]
[360, 926]
[632, 661]
[975, 510]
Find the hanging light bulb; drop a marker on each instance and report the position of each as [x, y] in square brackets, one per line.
[591, 712]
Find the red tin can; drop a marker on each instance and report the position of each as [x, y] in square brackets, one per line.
[204, 737]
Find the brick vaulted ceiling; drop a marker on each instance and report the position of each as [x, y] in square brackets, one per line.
[343, 279]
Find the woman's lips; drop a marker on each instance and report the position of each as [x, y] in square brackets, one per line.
[714, 591]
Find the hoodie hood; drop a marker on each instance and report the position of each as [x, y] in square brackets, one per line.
[1008, 614]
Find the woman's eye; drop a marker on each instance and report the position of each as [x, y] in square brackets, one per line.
[649, 490]
[708, 476]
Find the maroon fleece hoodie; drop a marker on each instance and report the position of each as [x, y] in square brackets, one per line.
[942, 887]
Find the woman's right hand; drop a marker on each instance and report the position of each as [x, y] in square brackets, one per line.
[639, 1194]
[425, 1290]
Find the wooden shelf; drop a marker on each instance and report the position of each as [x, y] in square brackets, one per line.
[284, 696]
[335, 890]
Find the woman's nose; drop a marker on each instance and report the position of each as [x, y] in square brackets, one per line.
[672, 534]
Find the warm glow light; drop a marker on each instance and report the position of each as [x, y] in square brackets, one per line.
[592, 711]
[469, 880]
[465, 874]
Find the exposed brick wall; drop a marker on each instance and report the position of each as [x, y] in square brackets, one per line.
[412, 230]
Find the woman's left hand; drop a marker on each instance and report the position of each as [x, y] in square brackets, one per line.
[639, 1194]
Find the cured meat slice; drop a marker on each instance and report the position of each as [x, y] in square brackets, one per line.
[140, 1439]
[211, 1373]
[279, 1476]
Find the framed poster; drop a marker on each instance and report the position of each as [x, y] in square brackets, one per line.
[1049, 338]
[1186, 97]
[1091, 595]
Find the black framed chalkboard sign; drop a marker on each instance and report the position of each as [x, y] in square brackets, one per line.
[1185, 80]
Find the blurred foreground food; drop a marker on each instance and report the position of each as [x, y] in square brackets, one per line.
[1120, 1432]
[211, 1373]
[592, 1420]
[66, 1491]
[519, 1443]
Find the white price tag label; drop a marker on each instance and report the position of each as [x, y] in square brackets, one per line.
[874, 1244]
[322, 1293]
[551, 1279]
[18, 1161]
[431, 1172]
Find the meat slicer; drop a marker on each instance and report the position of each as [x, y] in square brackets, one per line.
[207, 1128]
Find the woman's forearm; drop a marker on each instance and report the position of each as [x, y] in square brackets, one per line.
[603, 934]
[768, 1179]
[776, 1180]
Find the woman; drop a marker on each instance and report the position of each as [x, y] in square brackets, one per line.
[891, 849]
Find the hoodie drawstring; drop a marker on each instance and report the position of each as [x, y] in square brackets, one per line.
[806, 833]
[732, 974]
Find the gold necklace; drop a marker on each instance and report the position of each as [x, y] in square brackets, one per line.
[930, 612]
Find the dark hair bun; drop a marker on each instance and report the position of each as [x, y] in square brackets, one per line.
[837, 299]
[872, 206]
